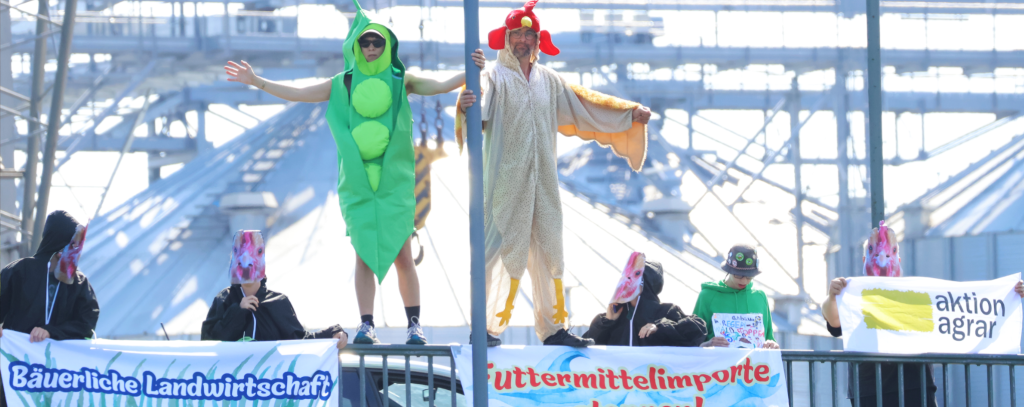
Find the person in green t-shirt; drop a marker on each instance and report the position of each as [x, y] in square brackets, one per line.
[369, 116]
[735, 294]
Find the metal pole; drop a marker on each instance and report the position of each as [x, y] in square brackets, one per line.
[875, 114]
[474, 140]
[32, 152]
[798, 193]
[60, 79]
[124, 150]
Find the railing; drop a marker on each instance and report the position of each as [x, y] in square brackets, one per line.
[995, 367]
[430, 352]
[875, 360]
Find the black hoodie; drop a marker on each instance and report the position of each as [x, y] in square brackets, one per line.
[274, 318]
[675, 328]
[23, 289]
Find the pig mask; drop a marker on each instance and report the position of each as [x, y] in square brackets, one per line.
[631, 283]
[247, 257]
[881, 253]
[68, 264]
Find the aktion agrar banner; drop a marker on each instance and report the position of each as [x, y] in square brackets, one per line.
[130, 373]
[921, 315]
[601, 376]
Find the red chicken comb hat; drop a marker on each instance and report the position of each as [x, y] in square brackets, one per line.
[518, 18]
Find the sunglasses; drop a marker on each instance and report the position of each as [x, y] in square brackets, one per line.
[376, 41]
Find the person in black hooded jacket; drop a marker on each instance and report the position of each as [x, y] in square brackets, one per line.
[29, 290]
[654, 323]
[259, 314]
[35, 302]
[247, 309]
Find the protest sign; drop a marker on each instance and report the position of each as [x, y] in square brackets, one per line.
[130, 373]
[601, 376]
[741, 330]
[920, 315]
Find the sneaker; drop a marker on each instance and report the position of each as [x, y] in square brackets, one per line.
[366, 335]
[415, 334]
[492, 340]
[564, 338]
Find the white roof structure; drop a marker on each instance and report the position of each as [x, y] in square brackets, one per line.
[161, 256]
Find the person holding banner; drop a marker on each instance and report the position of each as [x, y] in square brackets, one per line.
[248, 311]
[647, 321]
[735, 294]
[45, 295]
[881, 259]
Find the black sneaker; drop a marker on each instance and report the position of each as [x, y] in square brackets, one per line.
[564, 338]
[492, 340]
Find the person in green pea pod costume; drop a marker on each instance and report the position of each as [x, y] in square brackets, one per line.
[369, 116]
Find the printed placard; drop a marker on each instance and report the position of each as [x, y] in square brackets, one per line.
[131, 373]
[918, 315]
[619, 376]
[741, 330]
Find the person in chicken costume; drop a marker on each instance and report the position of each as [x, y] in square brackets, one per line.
[523, 105]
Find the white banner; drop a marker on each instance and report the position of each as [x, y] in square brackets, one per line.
[921, 315]
[614, 376]
[130, 373]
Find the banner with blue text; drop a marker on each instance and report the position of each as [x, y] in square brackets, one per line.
[618, 376]
[919, 315]
[130, 373]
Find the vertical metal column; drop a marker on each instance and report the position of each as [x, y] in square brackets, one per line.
[874, 82]
[474, 140]
[844, 260]
[60, 79]
[32, 152]
[798, 186]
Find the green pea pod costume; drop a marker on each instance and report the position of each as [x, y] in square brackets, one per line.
[372, 127]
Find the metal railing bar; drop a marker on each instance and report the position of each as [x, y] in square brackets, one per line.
[454, 384]
[399, 350]
[878, 384]
[1013, 386]
[991, 386]
[408, 382]
[810, 380]
[856, 384]
[341, 393]
[835, 386]
[945, 385]
[924, 384]
[431, 392]
[789, 381]
[899, 369]
[362, 381]
[384, 383]
[967, 383]
[865, 357]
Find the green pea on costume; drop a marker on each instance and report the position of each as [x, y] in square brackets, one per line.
[370, 119]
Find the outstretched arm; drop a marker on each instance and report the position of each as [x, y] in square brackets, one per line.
[430, 87]
[243, 73]
[829, 308]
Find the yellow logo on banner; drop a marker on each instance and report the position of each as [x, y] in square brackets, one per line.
[894, 310]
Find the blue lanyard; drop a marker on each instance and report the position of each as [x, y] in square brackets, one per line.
[48, 310]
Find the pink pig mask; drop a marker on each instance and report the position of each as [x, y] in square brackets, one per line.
[631, 283]
[68, 264]
[881, 254]
[248, 264]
